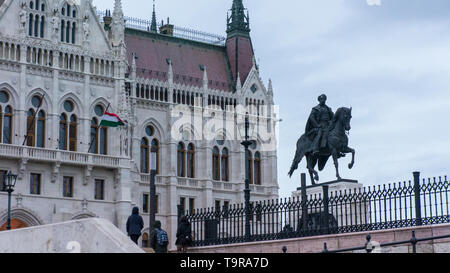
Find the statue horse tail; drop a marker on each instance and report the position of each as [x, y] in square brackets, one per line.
[303, 145]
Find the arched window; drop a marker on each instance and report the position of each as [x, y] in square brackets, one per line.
[30, 24]
[257, 167]
[181, 160]
[74, 31]
[225, 165]
[63, 27]
[94, 136]
[36, 26]
[250, 166]
[31, 128]
[63, 132]
[103, 141]
[155, 145]
[191, 161]
[99, 138]
[68, 26]
[7, 125]
[73, 133]
[40, 130]
[144, 156]
[42, 28]
[99, 134]
[67, 32]
[216, 164]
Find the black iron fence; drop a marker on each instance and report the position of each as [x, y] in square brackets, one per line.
[413, 203]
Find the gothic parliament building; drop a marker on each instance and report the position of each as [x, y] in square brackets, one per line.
[64, 63]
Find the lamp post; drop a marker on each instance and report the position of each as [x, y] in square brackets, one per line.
[153, 168]
[11, 180]
[247, 143]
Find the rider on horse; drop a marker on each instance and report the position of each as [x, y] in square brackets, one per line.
[317, 127]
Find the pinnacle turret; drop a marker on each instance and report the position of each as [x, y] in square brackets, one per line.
[238, 21]
[118, 11]
[154, 27]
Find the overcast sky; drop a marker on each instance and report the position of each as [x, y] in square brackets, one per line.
[390, 62]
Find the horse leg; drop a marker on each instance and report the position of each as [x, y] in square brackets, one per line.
[348, 150]
[336, 164]
[310, 166]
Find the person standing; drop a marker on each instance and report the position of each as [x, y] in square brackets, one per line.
[159, 239]
[184, 235]
[135, 224]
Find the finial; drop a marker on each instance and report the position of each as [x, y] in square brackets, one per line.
[153, 26]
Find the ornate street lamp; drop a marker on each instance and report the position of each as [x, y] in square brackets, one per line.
[245, 129]
[10, 180]
[153, 169]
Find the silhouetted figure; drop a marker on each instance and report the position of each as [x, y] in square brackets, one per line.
[135, 224]
[184, 235]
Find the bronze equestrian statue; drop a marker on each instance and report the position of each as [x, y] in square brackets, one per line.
[325, 136]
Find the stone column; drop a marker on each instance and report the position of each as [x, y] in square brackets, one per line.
[123, 203]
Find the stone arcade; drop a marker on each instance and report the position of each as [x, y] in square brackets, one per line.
[64, 64]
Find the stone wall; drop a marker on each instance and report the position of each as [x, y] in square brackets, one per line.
[93, 235]
[341, 241]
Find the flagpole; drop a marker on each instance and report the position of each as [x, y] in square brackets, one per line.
[34, 118]
[92, 140]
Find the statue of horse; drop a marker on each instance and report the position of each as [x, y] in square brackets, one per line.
[337, 147]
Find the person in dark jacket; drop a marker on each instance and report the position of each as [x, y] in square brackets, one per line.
[135, 224]
[184, 235]
[158, 248]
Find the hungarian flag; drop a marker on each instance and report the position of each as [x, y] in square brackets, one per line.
[111, 120]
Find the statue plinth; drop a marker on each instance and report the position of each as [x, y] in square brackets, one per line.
[333, 186]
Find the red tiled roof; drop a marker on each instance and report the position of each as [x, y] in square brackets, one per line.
[153, 50]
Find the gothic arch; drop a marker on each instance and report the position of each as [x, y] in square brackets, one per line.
[12, 91]
[158, 127]
[102, 101]
[194, 134]
[48, 104]
[84, 215]
[25, 215]
[77, 103]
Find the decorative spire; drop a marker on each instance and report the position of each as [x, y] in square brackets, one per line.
[205, 78]
[170, 72]
[238, 83]
[238, 21]
[133, 66]
[154, 27]
[118, 24]
[118, 11]
[270, 88]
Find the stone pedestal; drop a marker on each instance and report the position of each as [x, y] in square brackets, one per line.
[344, 206]
[344, 185]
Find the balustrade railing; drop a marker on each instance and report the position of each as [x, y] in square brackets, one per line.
[33, 153]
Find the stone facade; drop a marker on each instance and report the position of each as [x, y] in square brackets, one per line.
[72, 65]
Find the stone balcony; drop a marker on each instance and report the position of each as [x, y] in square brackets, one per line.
[26, 154]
